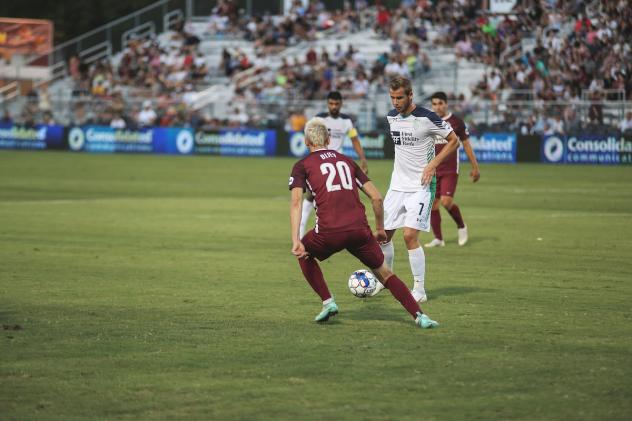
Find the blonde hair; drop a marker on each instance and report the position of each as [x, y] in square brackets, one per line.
[316, 132]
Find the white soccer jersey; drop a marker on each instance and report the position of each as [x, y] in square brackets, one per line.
[414, 139]
[339, 128]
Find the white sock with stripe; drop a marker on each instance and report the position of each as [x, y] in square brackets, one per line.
[417, 260]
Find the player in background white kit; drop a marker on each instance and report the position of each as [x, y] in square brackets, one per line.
[410, 195]
[339, 126]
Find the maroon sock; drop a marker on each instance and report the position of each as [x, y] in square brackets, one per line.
[314, 276]
[402, 294]
[455, 213]
[435, 222]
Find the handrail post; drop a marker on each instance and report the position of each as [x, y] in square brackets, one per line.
[165, 23]
[189, 9]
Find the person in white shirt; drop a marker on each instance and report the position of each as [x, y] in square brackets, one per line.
[360, 86]
[118, 122]
[494, 81]
[409, 199]
[147, 116]
[626, 125]
[396, 67]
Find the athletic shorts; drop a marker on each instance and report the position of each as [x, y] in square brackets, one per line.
[408, 209]
[446, 184]
[360, 243]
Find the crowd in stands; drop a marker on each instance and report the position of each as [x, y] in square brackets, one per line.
[578, 53]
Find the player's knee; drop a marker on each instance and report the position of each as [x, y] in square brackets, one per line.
[411, 238]
[436, 204]
[383, 273]
[446, 202]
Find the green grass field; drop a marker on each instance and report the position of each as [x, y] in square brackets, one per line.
[163, 287]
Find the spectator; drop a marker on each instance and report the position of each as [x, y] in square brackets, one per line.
[118, 122]
[6, 119]
[360, 86]
[170, 117]
[297, 120]
[238, 118]
[147, 116]
[626, 124]
[47, 119]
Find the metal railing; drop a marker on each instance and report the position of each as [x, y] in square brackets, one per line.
[9, 91]
[112, 37]
[369, 113]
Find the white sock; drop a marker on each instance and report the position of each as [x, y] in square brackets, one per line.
[417, 260]
[389, 253]
[328, 300]
[305, 213]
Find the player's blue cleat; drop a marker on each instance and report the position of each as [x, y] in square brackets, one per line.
[425, 322]
[328, 311]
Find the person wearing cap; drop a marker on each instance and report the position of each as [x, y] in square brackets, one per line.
[147, 116]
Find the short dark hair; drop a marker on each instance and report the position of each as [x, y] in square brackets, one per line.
[335, 95]
[439, 95]
[401, 82]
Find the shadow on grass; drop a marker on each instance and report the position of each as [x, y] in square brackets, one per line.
[374, 309]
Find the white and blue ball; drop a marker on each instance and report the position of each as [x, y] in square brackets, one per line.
[362, 283]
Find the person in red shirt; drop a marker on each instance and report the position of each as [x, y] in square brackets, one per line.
[448, 174]
[341, 223]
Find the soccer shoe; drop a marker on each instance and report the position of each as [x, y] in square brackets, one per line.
[328, 311]
[419, 297]
[378, 287]
[462, 232]
[435, 243]
[425, 322]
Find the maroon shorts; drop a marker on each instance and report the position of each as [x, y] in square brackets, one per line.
[446, 184]
[360, 243]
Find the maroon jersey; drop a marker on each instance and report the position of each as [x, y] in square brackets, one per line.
[333, 180]
[450, 165]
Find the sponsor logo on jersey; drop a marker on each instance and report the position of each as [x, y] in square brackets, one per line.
[403, 138]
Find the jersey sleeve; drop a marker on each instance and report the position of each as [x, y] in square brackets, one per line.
[360, 177]
[461, 130]
[298, 176]
[438, 126]
[351, 130]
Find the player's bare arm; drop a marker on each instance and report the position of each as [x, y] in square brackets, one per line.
[378, 209]
[429, 171]
[296, 203]
[358, 148]
[475, 174]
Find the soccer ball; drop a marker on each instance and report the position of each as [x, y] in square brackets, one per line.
[362, 283]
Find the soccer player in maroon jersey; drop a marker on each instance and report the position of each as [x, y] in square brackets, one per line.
[448, 174]
[341, 223]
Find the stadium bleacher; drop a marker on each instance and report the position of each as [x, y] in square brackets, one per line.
[518, 70]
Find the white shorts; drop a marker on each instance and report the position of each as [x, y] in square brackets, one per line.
[408, 209]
